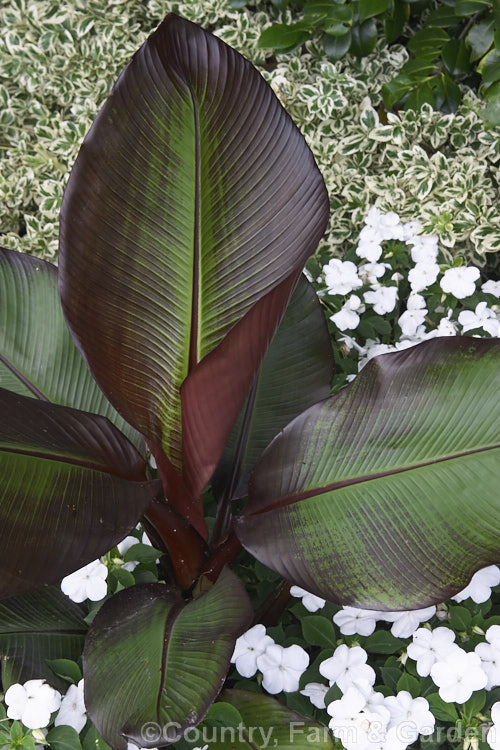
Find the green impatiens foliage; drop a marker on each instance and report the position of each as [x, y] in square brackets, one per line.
[57, 66]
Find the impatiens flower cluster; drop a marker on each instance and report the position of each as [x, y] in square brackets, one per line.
[365, 717]
[363, 621]
[405, 281]
[281, 667]
[32, 703]
[362, 722]
[248, 648]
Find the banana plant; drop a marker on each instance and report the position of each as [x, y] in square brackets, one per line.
[179, 325]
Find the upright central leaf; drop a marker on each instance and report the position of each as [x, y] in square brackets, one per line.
[190, 211]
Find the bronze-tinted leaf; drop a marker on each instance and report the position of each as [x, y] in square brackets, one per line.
[72, 487]
[189, 213]
[386, 495]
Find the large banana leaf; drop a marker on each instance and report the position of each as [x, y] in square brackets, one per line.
[191, 208]
[37, 355]
[168, 659]
[386, 495]
[35, 627]
[296, 373]
[72, 487]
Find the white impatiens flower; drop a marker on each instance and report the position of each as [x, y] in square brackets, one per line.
[87, 583]
[126, 544]
[460, 281]
[410, 716]
[405, 623]
[489, 653]
[374, 699]
[424, 250]
[310, 601]
[375, 348]
[348, 318]
[480, 585]
[415, 302]
[353, 621]
[411, 320]
[423, 275]
[458, 675]
[378, 227]
[341, 277]
[130, 541]
[491, 287]
[370, 249]
[123, 547]
[282, 668]
[248, 647]
[383, 299]
[370, 273]
[411, 230]
[32, 703]
[414, 315]
[345, 713]
[316, 692]
[389, 226]
[359, 728]
[72, 712]
[493, 736]
[446, 327]
[493, 635]
[482, 317]
[347, 667]
[430, 646]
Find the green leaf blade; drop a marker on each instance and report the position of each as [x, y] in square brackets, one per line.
[35, 628]
[173, 656]
[373, 509]
[64, 474]
[38, 357]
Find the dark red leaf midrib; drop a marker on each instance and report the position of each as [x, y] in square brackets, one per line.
[24, 380]
[81, 463]
[315, 491]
